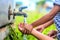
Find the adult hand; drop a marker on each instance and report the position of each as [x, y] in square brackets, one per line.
[52, 33]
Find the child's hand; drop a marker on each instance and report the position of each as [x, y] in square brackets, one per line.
[28, 27]
[21, 28]
[25, 28]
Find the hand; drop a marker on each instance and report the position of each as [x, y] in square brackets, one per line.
[52, 33]
[23, 29]
[28, 27]
[40, 28]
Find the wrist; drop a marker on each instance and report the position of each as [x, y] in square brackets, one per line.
[30, 28]
[31, 24]
[32, 31]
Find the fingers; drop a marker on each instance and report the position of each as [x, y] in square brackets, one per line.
[52, 33]
[54, 36]
[28, 27]
[21, 25]
[22, 29]
[25, 31]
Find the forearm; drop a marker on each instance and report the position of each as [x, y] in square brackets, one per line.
[40, 36]
[45, 25]
[47, 17]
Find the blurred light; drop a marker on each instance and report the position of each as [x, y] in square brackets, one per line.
[31, 4]
[50, 4]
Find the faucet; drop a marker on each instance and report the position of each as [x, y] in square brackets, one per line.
[20, 13]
